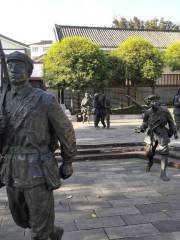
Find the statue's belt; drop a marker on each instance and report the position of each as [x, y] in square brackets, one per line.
[27, 150]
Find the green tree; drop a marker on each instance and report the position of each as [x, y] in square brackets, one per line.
[122, 23]
[152, 24]
[138, 24]
[115, 68]
[74, 62]
[144, 63]
[172, 56]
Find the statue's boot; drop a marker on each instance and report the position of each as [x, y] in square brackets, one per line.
[164, 164]
[149, 164]
[57, 233]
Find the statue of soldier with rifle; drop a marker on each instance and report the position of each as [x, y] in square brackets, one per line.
[176, 109]
[160, 127]
[86, 106]
[31, 123]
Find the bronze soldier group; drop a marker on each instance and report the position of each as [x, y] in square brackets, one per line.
[32, 124]
[100, 106]
[102, 110]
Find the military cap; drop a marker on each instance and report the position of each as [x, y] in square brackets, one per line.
[152, 97]
[21, 57]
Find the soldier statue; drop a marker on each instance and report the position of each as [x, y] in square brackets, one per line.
[86, 105]
[155, 121]
[34, 121]
[99, 109]
[108, 110]
[176, 109]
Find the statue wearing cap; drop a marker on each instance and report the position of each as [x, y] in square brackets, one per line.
[176, 109]
[30, 171]
[155, 122]
[99, 109]
[86, 106]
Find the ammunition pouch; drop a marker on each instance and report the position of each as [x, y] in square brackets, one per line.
[50, 171]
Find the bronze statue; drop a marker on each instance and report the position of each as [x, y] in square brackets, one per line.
[176, 110]
[34, 122]
[99, 109]
[108, 110]
[155, 121]
[86, 106]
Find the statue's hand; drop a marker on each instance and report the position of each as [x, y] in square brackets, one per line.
[176, 136]
[139, 130]
[2, 184]
[65, 170]
[2, 124]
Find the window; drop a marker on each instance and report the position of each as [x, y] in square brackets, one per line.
[45, 49]
[35, 49]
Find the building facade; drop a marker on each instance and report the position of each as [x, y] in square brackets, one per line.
[40, 48]
[10, 45]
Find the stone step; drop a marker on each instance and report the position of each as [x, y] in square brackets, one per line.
[110, 150]
[119, 151]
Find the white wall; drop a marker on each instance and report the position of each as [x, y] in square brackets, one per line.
[40, 49]
[37, 70]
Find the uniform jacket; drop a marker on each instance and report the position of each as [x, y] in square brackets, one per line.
[41, 118]
[160, 123]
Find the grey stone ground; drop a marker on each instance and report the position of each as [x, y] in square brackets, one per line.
[111, 199]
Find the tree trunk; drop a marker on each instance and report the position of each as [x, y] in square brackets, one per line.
[62, 95]
[153, 87]
[128, 92]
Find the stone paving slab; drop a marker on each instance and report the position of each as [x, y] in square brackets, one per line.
[144, 218]
[100, 222]
[157, 237]
[95, 234]
[140, 230]
[168, 226]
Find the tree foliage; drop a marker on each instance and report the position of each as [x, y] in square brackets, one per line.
[143, 61]
[172, 56]
[152, 24]
[115, 68]
[74, 62]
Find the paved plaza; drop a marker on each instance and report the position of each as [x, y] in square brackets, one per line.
[121, 131]
[110, 199]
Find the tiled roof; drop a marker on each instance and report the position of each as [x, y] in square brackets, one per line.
[42, 42]
[113, 37]
[12, 40]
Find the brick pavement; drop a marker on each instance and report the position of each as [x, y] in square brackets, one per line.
[112, 199]
[106, 200]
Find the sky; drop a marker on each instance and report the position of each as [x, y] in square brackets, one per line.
[30, 21]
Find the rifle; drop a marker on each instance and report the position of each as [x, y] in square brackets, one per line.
[178, 92]
[143, 109]
[4, 79]
[176, 98]
[4, 83]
